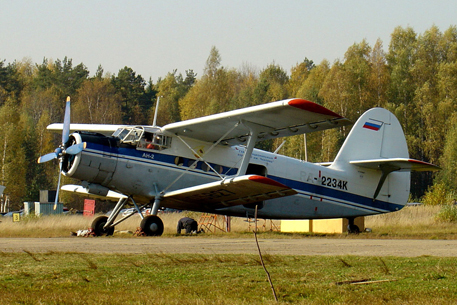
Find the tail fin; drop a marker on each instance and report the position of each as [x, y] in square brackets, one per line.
[375, 156]
[376, 134]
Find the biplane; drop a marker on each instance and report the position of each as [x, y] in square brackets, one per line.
[210, 164]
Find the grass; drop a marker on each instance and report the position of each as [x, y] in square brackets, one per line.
[411, 222]
[76, 278]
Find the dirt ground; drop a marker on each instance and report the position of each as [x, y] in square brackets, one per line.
[197, 245]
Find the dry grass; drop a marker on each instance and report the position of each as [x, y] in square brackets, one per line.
[62, 225]
[406, 217]
[410, 222]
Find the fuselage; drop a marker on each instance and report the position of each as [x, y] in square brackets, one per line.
[143, 171]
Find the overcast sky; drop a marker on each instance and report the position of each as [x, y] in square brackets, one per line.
[156, 37]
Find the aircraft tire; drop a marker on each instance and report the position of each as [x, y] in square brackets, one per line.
[353, 229]
[152, 225]
[97, 227]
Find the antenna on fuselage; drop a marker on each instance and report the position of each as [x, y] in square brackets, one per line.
[154, 123]
[279, 147]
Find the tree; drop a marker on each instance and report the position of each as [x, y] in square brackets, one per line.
[11, 84]
[97, 102]
[379, 79]
[448, 161]
[427, 60]
[310, 90]
[12, 155]
[272, 85]
[298, 76]
[400, 59]
[333, 90]
[60, 76]
[171, 89]
[135, 101]
[213, 93]
[357, 70]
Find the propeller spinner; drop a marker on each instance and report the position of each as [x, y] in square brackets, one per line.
[63, 149]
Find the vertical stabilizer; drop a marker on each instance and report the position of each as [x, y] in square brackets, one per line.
[377, 134]
[368, 154]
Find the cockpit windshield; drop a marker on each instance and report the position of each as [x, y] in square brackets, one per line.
[129, 135]
[144, 138]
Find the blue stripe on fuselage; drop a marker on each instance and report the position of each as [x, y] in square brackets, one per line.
[337, 195]
[330, 194]
[151, 156]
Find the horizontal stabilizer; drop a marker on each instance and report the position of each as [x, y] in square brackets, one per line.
[396, 164]
[80, 190]
[229, 192]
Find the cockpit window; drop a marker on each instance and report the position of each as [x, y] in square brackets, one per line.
[129, 135]
[146, 139]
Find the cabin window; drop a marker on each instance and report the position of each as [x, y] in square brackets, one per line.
[179, 161]
[155, 141]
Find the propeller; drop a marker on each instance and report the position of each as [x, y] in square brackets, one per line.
[63, 150]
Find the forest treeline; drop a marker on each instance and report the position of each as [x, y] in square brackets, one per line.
[415, 78]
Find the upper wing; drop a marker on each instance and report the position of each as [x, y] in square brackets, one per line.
[106, 129]
[277, 119]
[397, 164]
[230, 192]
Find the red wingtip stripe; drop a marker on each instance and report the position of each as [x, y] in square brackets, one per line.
[312, 107]
[265, 180]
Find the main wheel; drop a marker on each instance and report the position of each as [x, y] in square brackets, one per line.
[152, 225]
[98, 224]
[353, 229]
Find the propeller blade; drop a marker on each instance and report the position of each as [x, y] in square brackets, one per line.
[47, 157]
[76, 149]
[66, 122]
[58, 186]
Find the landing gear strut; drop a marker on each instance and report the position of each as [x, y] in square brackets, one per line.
[151, 225]
[352, 228]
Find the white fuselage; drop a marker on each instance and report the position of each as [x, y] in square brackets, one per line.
[322, 192]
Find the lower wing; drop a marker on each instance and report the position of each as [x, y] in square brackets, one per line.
[229, 192]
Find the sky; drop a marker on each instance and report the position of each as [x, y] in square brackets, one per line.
[157, 37]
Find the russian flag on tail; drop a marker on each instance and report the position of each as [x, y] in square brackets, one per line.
[372, 125]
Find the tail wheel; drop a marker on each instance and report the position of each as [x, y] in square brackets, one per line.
[98, 224]
[152, 225]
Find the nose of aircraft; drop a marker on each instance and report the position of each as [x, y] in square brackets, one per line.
[65, 149]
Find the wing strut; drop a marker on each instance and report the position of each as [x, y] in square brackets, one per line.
[200, 157]
[254, 130]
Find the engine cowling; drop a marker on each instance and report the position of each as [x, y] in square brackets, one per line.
[95, 164]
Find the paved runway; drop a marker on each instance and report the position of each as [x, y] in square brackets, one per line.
[215, 245]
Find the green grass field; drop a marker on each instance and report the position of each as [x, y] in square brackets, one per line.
[75, 278]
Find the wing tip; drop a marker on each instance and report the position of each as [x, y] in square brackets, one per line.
[312, 107]
[424, 166]
[265, 180]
